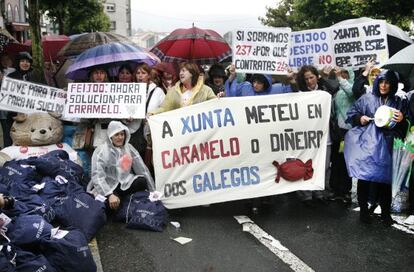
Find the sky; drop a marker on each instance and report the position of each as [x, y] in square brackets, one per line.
[219, 15]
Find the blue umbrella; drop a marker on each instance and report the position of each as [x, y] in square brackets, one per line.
[107, 55]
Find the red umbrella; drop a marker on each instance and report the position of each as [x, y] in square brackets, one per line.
[51, 45]
[202, 46]
[12, 49]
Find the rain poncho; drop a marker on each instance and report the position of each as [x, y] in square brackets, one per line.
[246, 88]
[113, 166]
[344, 99]
[368, 149]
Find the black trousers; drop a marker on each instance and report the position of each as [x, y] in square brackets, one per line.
[340, 181]
[383, 193]
[139, 184]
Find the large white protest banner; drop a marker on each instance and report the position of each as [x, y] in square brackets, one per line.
[106, 100]
[242, 147]
[311, 47]
[27, 97]
[263, 51]
[355, 44]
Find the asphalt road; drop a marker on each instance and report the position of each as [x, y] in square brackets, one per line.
[325, 238]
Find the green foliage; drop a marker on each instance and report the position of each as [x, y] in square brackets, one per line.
[76, 16]
[308, 14]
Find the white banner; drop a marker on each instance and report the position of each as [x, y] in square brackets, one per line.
[311, 47]
[263, 51]
[106, 100]
[243, 147]
[354, 45]
[27, 97]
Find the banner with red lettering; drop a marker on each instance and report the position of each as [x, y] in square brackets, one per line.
[311, 47]
[263, 51]
[28, 97]
[106, 100]
[242, 147]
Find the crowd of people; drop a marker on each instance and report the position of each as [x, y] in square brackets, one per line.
[122, 159]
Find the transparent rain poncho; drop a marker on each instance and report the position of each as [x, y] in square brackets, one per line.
[116, 165]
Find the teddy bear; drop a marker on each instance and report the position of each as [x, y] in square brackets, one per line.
[34, 135]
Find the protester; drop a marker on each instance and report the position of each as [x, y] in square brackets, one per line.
[216, 78]
[98, 75]
[368, 148]
[23, 72]
[363, 83]
[168, 75]
[188, 91]
[125, 74]
[256, 84]
[155, 96]
[340, 182]
[308, 79]
[23, 67]
[6, 67]
[117, 167]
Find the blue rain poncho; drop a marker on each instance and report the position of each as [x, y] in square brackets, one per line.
[113, 166]
[368, 149]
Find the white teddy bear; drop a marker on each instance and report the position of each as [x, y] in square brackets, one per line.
[35, 135]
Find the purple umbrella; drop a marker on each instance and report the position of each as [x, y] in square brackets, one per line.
[107, 56]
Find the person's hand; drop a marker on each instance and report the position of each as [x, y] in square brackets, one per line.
[338, 71]
[232, 71]
[114, 202]
[364, 120]
[326, 70]
[221, 94]
[290, 76]
[368, 67]
[398, 116]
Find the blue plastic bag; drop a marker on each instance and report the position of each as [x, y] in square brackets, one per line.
[69, 252]
[138, 212]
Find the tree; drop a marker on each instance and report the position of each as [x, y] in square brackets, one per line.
[308, 14]
[76, 16]
[37, 52]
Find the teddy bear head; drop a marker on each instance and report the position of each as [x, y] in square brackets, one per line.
[36, 129]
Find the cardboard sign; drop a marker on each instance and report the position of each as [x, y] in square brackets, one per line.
[27, 97]
[262, 51]
[106, 100]
[311, 47]
[242, 147]
[353, 45]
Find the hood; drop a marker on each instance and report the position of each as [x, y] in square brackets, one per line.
[266, 79]
[21, 56]
[114, 127]
[389, 76]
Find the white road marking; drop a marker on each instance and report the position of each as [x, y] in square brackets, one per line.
[93, 245]
[275, 247]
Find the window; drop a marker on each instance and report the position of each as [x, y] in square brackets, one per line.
[110, 7]
[9, 13]
[16, 14]
[113, 25]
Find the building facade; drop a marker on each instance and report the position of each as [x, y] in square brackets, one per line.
[119, 12]
[15, 19]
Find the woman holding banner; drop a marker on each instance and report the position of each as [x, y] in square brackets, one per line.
[308, 79]
[259, 84]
